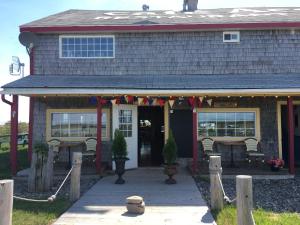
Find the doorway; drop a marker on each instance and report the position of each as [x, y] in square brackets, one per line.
[150, 136]
[284, 133]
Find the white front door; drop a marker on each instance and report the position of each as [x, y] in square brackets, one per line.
[125, 119]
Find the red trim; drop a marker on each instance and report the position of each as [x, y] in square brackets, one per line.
[291, 131]
[31, 108]
[195, 142]
[14, 134]
[156, 27]
[99, 130]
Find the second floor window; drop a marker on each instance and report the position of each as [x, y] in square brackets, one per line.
[87, 46]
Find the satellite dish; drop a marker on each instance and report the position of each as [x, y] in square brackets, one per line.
[28, 39]
[16, 67]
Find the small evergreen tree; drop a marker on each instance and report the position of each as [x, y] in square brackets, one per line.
[170, 150]
[119, 145]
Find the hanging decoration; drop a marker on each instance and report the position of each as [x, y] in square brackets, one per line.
[192, 101]
[145, 100]
[171, 103]
[93, 100]
[103, 101]
[154, 101]
[161, 102]
[201, 99]
[129, 99]
[140, 101]
[150, 101]
[209, 102]
[115, 101]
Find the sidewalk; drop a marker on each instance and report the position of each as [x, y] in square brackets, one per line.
[104, 203]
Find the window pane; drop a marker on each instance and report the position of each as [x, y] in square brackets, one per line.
[125, 122]
[220, 124]
[76, 124]
[71, 47]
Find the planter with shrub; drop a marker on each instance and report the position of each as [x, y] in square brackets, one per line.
[170, 157]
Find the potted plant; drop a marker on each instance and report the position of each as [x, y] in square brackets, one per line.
[119, 151]
[276, 164]
[170, 157]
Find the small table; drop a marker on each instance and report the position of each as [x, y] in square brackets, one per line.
[231, 144]
[68, 145]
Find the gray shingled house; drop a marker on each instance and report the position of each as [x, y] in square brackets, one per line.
[227, 74]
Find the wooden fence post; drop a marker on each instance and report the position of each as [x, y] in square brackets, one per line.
[216, 193]
[244, 200]
[6, 201]
[75, 176]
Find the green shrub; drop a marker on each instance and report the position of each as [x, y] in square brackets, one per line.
[119, 145]
[170, 150]
[41, 148]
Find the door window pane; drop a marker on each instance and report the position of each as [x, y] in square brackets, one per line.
[125, 122]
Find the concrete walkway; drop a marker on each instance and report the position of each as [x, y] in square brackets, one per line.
[104, 203]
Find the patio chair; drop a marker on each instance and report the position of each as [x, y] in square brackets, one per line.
[208, 144]
[252, 150]
[54, 145]
[90, 150]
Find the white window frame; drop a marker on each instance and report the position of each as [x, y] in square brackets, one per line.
[49, 112]
[251, 110]
[231, 33]
[86, 36]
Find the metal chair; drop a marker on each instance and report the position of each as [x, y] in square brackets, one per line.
[208, 144]
[54, 145]
[252, 149]
[90, 150]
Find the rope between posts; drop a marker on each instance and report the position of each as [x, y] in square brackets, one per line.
[52, 197]
[226, 198]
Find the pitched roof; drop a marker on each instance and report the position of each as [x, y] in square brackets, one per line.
[163, 82]
[89, 18]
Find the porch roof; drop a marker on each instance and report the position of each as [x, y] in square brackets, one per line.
[151, 84]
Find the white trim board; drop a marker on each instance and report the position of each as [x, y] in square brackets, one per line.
[167, 92]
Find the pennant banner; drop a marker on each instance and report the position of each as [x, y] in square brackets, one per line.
[192, 101]
[209, 102]
[161, 102]
[140, 101]
[171, 103]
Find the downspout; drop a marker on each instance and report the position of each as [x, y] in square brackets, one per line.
[13, 131]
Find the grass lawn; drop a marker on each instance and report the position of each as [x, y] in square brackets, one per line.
[27, 213]
[228, 217]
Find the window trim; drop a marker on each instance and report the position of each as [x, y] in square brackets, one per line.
[85, 36]
[231, 32]
[257, 122]
[48, 123]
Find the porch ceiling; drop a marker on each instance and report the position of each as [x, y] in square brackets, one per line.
[250, 84]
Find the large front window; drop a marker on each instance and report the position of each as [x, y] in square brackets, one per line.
[65, 125]
[227, 124]
[87, 46]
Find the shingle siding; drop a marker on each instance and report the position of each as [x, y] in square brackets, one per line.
[259, 52]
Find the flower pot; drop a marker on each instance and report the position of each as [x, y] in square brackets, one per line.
[170, 171]
[274, 168]
[120, 170]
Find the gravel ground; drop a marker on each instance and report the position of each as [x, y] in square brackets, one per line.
[20, 187]
[274, 195]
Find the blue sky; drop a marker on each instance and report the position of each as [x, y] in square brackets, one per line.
[17, 12]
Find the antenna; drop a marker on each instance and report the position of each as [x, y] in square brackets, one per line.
[145, 8]
[16, 67]
[28, 39]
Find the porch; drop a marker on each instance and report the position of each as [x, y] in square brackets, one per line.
[71, 114]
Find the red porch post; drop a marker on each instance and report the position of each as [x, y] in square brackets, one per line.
[99, 130]
[291, 131]
[31, 108]
[195, 142]
[13, 131]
